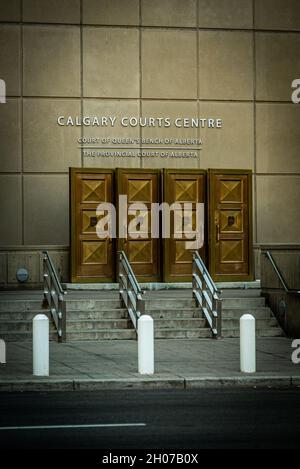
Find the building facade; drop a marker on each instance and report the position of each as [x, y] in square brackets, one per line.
[188, 84]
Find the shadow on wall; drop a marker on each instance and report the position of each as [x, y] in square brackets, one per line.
[284, 304]
[30, 260]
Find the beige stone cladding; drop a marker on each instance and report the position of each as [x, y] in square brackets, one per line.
[233, 60]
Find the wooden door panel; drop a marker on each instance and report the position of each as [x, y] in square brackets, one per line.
[230, 225]
[141, 186]
[181, 186]
[92, 258]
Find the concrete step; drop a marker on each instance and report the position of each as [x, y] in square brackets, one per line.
[240, 293]
[121, 313]
[20, 305]
[22, 336]
[260, 323]
[244, 303]
[185, 313]
[195, 333]
[18, 326]
[21, 315]
[118, 313]
[236, 313]
[155, 310]
[169, 303]
[155, 303]
[179, 323]
[127, 324]
[268, 332]
[161, 287]
[21, 326]
[244, 286]
[162, 294]
[93, 305]
[92, 294]
[102, 334]
[92, 324]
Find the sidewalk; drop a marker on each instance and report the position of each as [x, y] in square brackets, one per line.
[178, 363]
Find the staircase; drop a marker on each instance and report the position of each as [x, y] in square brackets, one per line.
[175, 315]
[236, 302]
[98, 315]
[17, 309]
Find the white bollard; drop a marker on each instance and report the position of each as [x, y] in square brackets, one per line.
[247, 344]
[40, 345]
[146, 345]
[2, 351]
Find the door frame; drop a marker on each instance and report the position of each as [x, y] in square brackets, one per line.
[73, 225]
[162, 243]
[212, 228]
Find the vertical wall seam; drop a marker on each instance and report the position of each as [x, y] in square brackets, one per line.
[22, 123]
[254, 129]
[198, 77]
[81, 76]
[141, 165]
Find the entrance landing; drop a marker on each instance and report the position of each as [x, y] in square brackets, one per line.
[161, 286]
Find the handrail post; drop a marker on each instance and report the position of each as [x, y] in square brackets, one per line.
[44, 274]
[140, 306]
[121, 279]
[129, 292]
[54, 295]
[214, 318]
[194, 283]
[218, 322]
[45, 277]
[62, 318]
[219, 311]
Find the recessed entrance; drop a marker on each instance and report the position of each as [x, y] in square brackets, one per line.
[227, 249]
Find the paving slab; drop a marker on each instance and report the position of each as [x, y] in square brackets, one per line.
[178, 363]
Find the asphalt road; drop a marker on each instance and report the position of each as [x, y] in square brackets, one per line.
[173, 419]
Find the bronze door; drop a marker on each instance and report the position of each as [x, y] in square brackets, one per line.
[92, 258]
[143, 253]
[182, 186]
[230, 225]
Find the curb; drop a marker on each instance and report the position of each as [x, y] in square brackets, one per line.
[241, 381]
[40, 385]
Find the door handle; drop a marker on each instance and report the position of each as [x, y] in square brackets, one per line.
[217, 233]
[93, 221]
[217, 226]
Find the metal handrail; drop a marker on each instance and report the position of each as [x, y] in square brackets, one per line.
[207, 296]
[130, 291]
[55, 296]
[279, 274]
